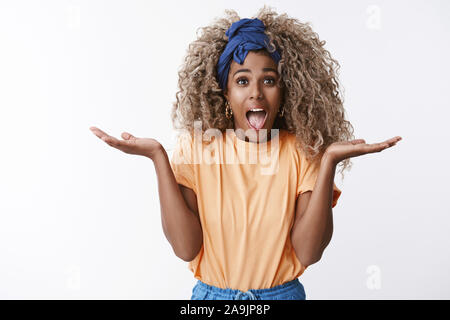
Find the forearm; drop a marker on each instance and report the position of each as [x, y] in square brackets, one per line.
[181, 226]
[312, 233]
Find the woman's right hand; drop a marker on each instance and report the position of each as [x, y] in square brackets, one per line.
[147, 147]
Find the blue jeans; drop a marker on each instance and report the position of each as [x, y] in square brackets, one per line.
[292, 290]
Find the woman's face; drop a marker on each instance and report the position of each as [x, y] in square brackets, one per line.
[253, 85]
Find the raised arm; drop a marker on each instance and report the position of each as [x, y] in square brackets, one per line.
[313, 225]
[179, 213]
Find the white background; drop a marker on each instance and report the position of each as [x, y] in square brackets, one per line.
[81, 220]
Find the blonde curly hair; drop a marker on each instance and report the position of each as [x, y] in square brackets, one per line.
[312, 101]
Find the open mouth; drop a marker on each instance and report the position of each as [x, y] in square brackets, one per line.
[256, 119]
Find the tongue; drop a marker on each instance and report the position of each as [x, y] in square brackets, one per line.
[256, 118]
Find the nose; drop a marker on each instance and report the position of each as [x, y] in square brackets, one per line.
[256, 92]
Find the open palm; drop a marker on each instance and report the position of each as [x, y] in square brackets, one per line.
[342, 150]
[147, 147]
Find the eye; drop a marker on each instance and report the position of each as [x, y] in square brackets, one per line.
[240, 79]
[271, 79]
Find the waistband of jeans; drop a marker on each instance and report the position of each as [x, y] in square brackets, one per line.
[277, 289]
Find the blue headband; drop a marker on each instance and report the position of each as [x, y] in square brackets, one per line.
[243, 35]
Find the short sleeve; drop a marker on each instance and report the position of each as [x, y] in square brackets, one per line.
[307, 176]
[182, 161]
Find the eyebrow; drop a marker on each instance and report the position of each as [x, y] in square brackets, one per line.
[248, 70]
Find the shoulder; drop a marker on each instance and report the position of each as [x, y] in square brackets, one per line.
[294, 146]
[184, 137]
[287, 136]
[183, 148]
[290, 142]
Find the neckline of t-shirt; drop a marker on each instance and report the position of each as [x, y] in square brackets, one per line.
[252, 147]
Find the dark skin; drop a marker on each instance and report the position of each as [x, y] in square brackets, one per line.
[179, 211]
[313, 225]
[255, 82]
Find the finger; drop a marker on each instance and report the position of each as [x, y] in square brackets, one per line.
[122, 145]
[127, 136]
[375, 147]
[114, 142]
[358, 141]
[99, 133]
[392, 142]
[383, 145]
[394, 139]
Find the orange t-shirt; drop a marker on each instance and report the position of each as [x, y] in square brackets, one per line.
[246, 195]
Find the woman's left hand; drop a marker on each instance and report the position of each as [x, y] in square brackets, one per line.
[338, 151]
